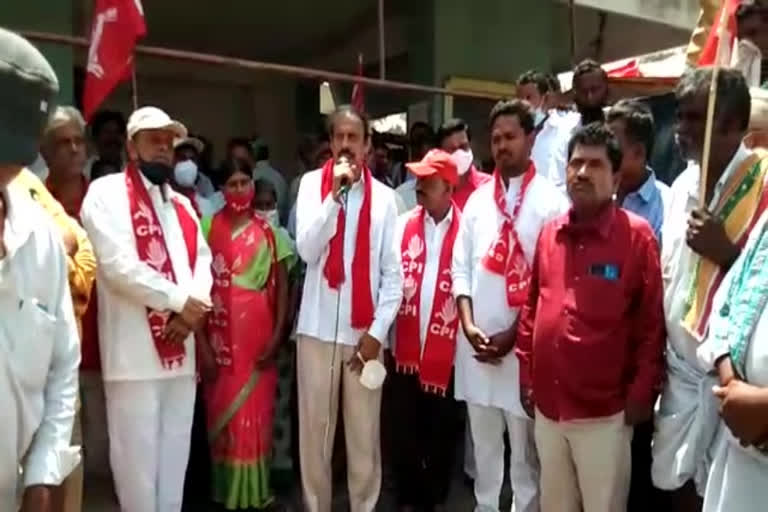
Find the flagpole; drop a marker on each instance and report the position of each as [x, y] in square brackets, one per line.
[711, 104]
[134, 88]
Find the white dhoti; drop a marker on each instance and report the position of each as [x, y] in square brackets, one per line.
[738, 480]
[687, 427]
[150, 427]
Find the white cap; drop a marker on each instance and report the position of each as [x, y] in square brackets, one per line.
[152, 118]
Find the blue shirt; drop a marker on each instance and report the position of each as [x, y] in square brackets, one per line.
[649, 201]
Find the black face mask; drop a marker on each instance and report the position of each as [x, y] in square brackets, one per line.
[156, 172]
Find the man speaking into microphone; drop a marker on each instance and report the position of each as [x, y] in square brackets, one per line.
[345, 233]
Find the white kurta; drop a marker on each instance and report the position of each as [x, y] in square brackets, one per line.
[550, 150]
[738, 476]
[127, 285]
[39, 352]
[686, 417]
[479, 383]
[315, 226]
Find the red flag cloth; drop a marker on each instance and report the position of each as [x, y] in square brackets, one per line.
[709, 52]
[117, 25]
[629, 70]
[358, 97]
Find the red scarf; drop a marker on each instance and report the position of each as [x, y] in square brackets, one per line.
[152, 250]
[231, 258]
[362, 302]
[434, 367]
[505, 256]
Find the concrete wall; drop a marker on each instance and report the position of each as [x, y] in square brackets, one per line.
[680, 14]
[56, 17]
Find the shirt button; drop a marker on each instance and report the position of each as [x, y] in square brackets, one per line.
[581, 247]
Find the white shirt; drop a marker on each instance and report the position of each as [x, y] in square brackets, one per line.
[407, 194]
[434, 236]
[39, 351]
[479, 383]
[677, 259]
[315, 226]
[550, 150]
[127, 285]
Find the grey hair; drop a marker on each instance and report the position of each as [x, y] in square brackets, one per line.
[733, 99]
[61, 117]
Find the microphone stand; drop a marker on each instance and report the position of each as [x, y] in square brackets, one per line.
[327, 433]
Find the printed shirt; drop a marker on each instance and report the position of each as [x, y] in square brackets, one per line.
[677, 259]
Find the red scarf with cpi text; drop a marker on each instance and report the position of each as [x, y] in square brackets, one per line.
[505, 257]
[362, 301]
[152, 250]
[434, 366]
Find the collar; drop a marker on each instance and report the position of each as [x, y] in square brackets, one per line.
[164, 190]
[602, 224]
[647, 189]
[445, 222]
[19, 220]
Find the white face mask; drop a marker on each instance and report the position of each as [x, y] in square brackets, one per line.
[185, 173]
[270, 216]
[463, 160]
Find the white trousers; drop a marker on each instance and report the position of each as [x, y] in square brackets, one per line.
[488, 425]
[150, 426]
[361, 408]
[585, 465]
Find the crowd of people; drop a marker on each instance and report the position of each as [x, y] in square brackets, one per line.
[582, 328]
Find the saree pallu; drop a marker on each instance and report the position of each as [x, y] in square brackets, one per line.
[240, 402]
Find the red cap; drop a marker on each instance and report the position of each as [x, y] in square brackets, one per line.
[436, 163]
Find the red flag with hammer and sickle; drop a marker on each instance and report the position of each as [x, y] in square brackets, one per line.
[117, 25]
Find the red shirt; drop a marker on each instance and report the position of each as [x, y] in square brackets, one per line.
[592, 336]
[475, 178]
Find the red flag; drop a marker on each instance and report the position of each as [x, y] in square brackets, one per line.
[358, 97]
[117, 25]
[709, 52]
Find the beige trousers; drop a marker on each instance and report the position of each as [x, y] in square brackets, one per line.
[319, 389]
[584, 462]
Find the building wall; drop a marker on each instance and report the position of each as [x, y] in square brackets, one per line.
[57, 17]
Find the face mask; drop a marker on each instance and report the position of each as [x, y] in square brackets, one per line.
[185, 173]
[270, 216]
[156, 172]
[373, 375]
[238, 203]
[463, 160]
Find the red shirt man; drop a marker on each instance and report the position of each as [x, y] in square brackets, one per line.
[591, 338]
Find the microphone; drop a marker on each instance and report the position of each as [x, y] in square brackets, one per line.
[345, 181]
